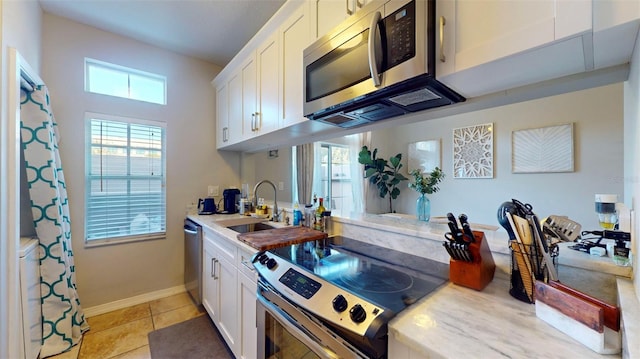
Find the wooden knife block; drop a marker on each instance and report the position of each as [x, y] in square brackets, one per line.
[479, 273]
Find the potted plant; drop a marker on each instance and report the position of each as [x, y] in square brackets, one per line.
[382, 173]
[425, 185]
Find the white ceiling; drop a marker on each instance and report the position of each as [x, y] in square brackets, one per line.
[212, 30]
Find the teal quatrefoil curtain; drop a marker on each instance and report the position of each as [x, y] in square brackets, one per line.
[63, 320]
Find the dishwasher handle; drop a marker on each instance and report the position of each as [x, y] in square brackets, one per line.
[188, 229]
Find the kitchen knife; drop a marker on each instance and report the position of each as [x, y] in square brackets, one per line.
[464, 222]
[446, 246]
[453, 225]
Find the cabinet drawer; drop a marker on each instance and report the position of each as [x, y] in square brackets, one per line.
[220, 246]
[244, 264]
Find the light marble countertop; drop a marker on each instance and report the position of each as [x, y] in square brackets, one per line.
[455, 321]
[458, 322]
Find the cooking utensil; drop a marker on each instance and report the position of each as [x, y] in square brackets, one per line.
[522, 258]
[566, 229]
[542, 243]
[503, 210]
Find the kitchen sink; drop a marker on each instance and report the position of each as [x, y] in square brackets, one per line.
[250, 227]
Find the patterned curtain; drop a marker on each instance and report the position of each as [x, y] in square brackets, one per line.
[62, 316]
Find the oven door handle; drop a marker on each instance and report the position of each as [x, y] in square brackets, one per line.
[297, 325]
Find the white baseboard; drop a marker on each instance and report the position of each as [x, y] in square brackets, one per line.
[128, 302]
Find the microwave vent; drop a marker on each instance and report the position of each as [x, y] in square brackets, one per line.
[415, 97]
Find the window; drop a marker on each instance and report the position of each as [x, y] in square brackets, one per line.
[109, 79]
[125, 181]
[335, 176]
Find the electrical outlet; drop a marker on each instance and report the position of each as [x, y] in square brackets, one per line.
[213, 191]
[281, 186]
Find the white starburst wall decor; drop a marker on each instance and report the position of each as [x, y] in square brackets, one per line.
[545, 149]
[473, 151]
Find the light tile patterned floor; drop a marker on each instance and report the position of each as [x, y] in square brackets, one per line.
[122, 334]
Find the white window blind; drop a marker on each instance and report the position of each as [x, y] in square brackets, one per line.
[115, 80]
[125, 180]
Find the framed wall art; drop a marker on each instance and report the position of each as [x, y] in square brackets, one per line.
[544, 149]
[424, 155]
[473, 151]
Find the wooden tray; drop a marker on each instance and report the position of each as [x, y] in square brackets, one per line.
[280, 237]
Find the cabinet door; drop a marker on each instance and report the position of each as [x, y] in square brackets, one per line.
[267, 57]
[295, 36]
[498, 50]
[247, 288]
[234, 122]
[222, 118]
[249, 96]
[210, 287]
[228, 315]
[331, 13]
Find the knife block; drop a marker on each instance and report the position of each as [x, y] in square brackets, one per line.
[479, 273]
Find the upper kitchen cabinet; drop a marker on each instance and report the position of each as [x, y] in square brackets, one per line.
[615, 27]
[222, 114]
[268, 74]
[484, 47]
[330, 13]
[295, 35]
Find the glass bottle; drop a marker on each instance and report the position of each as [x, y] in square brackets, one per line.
[318, 225]
[423, 208]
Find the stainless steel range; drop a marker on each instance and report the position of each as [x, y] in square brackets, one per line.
[334, 298]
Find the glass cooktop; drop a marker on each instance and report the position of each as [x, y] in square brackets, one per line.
[389, 278]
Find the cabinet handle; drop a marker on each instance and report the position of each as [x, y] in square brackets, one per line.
[257, 121]
[349, 11]
[360, 3]
[443, 22]
[249, 266]
[225, 134]
[214, 275]
[253, 122]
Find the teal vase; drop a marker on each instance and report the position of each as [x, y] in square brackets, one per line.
[423, 208]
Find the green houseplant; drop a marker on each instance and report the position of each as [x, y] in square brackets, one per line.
[425, 185]
[383, 174]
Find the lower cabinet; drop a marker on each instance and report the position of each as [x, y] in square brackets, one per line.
[229, 293]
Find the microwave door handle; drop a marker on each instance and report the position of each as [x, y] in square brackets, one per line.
[373, 32]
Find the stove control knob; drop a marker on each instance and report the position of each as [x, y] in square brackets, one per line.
[340, 303]
[271, 263]
[263, 258]
[357, 313]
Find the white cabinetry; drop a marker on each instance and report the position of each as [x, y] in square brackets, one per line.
[331, 13]
[249, 98]
[295, 35]
[267, 57]
[247, 288]
[220, 280]
[222, 113]
[490, 46]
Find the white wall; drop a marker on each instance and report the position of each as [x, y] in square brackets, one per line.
[20, 29]
[259, 166]
[632, 152]
[110, 273]
[597, 115]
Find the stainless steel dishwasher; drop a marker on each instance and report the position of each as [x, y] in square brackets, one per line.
[193, 260]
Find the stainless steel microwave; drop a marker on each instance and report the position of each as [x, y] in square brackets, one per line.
[378, 64]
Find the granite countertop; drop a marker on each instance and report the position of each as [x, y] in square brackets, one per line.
[456, 321]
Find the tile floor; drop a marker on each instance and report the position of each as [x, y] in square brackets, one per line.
[122, 334]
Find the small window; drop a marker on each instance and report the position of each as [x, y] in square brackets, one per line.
[125, 181]
[113, 80]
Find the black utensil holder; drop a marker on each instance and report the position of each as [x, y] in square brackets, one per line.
[539, 271]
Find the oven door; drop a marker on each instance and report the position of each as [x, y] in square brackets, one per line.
[284, 331]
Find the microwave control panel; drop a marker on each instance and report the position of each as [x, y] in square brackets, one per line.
[400, 30]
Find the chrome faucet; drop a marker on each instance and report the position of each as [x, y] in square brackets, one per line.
[276, 214]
